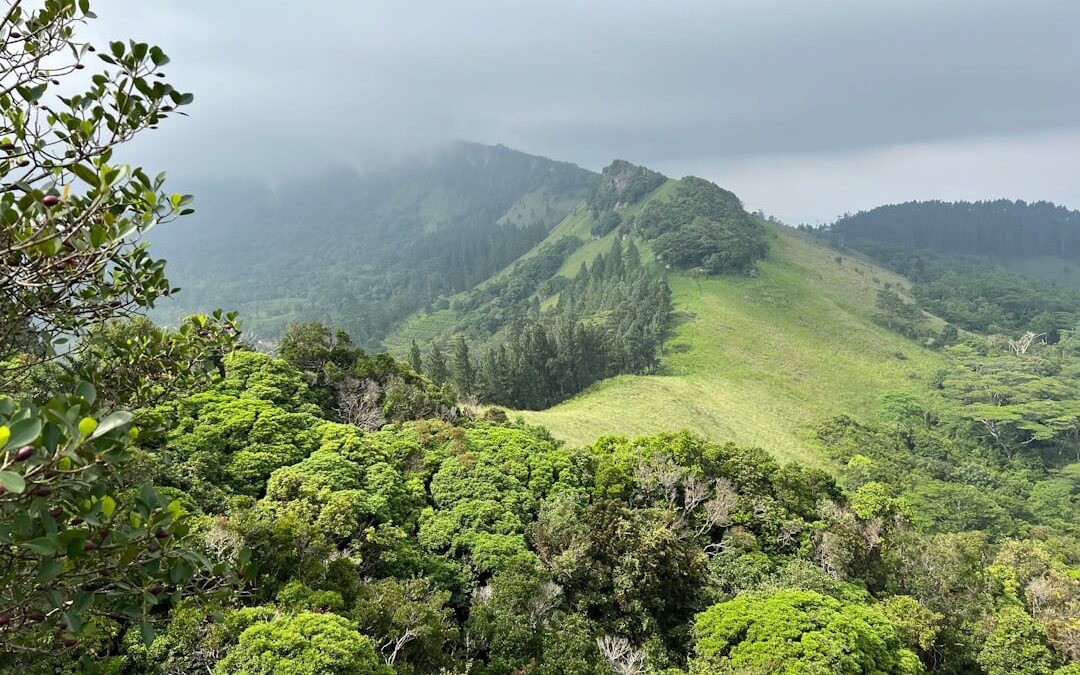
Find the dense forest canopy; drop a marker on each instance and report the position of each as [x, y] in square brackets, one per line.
[404, 235]
[1000, 228]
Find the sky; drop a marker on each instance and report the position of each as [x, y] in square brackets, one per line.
[804, 108]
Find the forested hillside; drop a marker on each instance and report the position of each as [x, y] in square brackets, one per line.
[859, 487]
[363, 249]
[545, 329]
[1001, 228]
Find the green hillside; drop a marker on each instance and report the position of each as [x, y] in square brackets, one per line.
[754, 359]
[364, 249]
[757, 360]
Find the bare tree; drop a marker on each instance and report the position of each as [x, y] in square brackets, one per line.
[1023, 343]
[360, 403]
[623, 657]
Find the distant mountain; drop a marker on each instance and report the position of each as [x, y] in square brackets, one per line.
[1001, 229]
[363, 250]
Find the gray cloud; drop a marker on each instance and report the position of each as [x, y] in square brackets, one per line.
[739, 91]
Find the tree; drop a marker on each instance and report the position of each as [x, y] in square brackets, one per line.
[86, 543]
[462, 373]
[437, 369]
[70, 249]
[77, 553]
[798, 631]
[415, 360]
[409, 619]
[1016, 646]
[306, 644]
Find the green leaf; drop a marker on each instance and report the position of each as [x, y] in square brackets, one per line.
[42, 545]
[117, 419]
[32, 94]
[23, 433]
[49, 569]
[148, 633]
[181, 572]
[108, 505]
[86, 391]
[87, 174]
[74, 621]
[12, 482]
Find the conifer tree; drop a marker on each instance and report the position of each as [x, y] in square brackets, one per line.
[415, 360]
[462, 373]
[437, 369]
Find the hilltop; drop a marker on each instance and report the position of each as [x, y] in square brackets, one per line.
[756, 355]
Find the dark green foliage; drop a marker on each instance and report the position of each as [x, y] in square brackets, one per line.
[896, 313]
[415, 360]
[437, 368]
[999, 228]
[610, 320]
[705, 226]
[403, 235]
[621, 184]
[607, 222]
[508, 298]
[352, 387]
[462, 371]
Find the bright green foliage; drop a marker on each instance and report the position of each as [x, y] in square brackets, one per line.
[64, 518]
[231, 438]
[252, 375]
[483, 498]
[305, 644]
[798, 632]
[1015, 646]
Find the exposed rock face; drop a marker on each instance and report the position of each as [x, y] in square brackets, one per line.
[622, 184]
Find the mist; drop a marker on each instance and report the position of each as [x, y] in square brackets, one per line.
[806, 110]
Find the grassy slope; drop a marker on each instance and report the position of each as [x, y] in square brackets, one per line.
[759, 360]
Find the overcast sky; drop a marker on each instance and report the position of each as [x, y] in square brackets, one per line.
[804, 108]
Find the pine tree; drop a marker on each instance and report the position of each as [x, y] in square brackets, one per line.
[437, 369]
[462, 374]
[414, 358]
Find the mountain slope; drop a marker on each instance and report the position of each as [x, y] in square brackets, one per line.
[753, 358]
[363, 250]
[759, 359]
